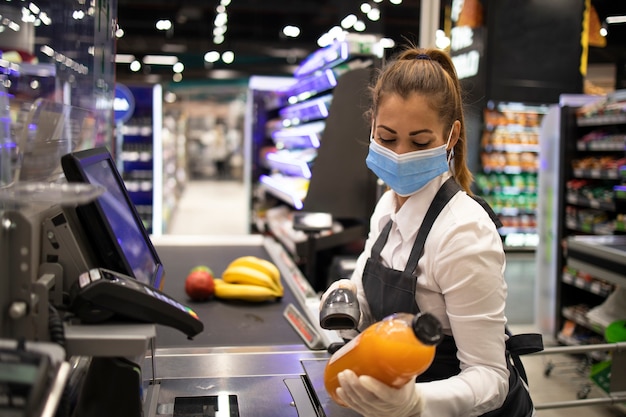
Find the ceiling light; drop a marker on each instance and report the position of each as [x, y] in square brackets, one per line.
[359, 26]
[291, 31]
[366, 7]
[604, 31]
[164, 24]
[178, 67]
[212, 56]
[616, 19]
[119, 33]
[135, 66]
[396, 2]
[160, 60]
[325, 40]
[373, 14]
[221, 19]
[348, 21]
[34, 8]
[228, 57]
[336, 32]
[124, 58]
[45, 19]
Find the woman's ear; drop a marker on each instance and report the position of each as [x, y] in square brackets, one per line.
[456, 133]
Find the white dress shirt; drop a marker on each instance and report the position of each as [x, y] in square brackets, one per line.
[460, 280]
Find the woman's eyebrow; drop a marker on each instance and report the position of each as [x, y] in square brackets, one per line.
[417, 132]
[390, 130]
[413, 133]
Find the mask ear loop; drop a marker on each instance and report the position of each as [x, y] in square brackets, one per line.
[451, 151]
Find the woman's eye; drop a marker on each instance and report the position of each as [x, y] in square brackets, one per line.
[385, 140]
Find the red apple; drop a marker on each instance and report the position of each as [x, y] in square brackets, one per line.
[199, 284]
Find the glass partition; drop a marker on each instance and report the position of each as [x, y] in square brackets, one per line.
[59, 51]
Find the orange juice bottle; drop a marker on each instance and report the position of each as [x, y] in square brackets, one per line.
[393, 350]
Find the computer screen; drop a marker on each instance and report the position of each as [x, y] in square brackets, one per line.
[116, 233]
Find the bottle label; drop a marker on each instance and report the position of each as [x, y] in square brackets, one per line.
[344, 350]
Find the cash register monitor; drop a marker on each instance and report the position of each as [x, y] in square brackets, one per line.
[116, 233]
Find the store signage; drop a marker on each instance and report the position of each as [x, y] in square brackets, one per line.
[467, 64]
[466, 50]
[123, 103]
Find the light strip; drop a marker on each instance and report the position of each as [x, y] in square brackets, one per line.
[124, 58]
[616, 19]
[160, 60]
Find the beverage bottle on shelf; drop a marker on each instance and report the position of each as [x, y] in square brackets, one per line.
[394, 350]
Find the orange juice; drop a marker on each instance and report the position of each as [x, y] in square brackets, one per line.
[393, 350]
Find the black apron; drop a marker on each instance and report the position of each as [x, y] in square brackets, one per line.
[391, 291]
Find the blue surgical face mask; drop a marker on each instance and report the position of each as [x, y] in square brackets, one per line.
[409, 172]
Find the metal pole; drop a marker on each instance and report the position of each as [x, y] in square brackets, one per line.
[429, 22]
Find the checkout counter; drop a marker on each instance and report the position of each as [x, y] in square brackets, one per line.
[244, 359]
[250, 359]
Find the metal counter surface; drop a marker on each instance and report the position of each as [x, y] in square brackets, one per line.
[256, 376]
[267, 382]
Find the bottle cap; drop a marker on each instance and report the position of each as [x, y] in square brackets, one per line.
[427, 329]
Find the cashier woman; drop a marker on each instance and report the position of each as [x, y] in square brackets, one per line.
[418, 142]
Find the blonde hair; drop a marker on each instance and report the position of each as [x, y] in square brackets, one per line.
[429, 73]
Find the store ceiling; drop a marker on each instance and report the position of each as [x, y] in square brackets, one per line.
[254, 33]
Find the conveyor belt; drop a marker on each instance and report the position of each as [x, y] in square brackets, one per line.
[226, 323]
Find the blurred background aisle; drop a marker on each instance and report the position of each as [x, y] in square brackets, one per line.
[211, 207]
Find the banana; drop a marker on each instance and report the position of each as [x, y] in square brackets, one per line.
[261, 264]
[239, 274]
[244, 292]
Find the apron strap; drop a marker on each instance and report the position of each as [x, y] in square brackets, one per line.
[380, 242]
[492, 214]
[445, 193]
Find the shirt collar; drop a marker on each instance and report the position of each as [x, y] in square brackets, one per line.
[410, 216]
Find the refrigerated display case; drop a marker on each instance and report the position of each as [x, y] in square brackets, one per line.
[149, 158]
[510, 163]
[585, 205]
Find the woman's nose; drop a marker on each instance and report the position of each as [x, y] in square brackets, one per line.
[402, 148]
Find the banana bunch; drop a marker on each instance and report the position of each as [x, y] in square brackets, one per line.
[249, 278]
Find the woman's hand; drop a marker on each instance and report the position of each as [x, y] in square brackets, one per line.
[373, 398]
[340, 283]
